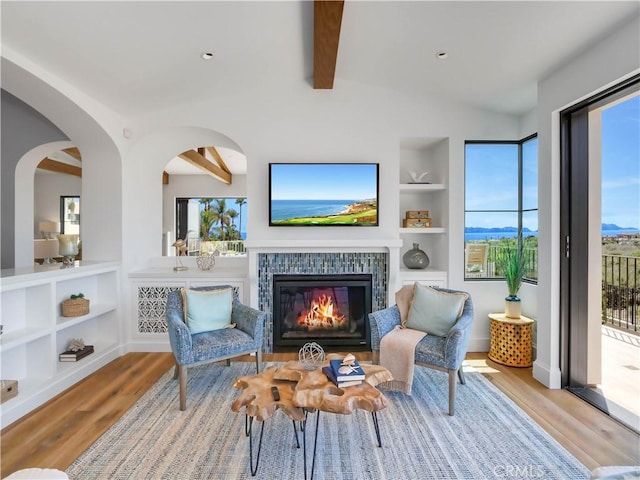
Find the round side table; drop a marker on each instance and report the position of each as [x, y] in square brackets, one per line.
[510, 340]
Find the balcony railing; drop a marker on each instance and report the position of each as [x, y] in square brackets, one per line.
[490, 269]
[621, 292]
[224, 248]
[620, 285]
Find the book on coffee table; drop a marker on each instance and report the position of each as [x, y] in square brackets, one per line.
[329, 373]
[356, 373]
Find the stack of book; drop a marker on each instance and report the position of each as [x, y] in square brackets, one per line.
[350, 375]
[71, 356]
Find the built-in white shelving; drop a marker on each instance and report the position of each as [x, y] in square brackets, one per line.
[428, 154]
[422, 187]
[35, 332]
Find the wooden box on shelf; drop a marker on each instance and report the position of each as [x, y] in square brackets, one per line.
[417, 214]
[416, 222]
[8, 389]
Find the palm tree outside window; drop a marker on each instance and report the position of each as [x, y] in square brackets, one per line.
[218, 221]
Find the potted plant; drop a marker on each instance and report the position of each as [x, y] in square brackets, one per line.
[511, 261]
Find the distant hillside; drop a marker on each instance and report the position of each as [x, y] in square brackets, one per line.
[605, 226]
[613, 226]
[495, 229]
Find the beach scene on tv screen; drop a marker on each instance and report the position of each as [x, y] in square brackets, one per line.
[324, 194]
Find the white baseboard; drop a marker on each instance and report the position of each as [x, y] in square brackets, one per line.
[547, 376]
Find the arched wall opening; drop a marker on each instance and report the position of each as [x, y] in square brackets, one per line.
[24, 199]
[144, 201]
[102, 167]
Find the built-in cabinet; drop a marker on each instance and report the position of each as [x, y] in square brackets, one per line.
[35, 332]
[150, 288]
[419, 155]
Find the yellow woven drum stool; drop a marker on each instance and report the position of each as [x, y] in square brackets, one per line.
[510, 340]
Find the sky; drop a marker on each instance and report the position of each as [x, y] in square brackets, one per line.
[621, 163]
[491, 174]
[491, 183]
[327, 181]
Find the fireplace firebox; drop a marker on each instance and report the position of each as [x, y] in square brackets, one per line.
[332, 310]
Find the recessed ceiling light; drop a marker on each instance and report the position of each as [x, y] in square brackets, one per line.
[442, 55]
[206, 55]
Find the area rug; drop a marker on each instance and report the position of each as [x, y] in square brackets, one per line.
[489, 437]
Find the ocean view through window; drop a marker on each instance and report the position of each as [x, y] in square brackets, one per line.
[501, 205]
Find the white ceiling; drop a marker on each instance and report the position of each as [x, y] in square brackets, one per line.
[137, 57]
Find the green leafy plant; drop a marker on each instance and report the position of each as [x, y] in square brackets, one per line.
[79, 295]
[511, 261]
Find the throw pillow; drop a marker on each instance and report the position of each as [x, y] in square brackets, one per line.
[403, 301]
[433, 311]
[207, 310]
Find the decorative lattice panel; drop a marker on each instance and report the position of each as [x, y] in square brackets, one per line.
[152, 302]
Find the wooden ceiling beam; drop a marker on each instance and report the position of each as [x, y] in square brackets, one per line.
[165, 178]
[198, 160]
[59, 167]
[219, 160]
[327, 20]
[73, 152]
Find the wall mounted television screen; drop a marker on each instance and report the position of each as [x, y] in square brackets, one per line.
[331, 194]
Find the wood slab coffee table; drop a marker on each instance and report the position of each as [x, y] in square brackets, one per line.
[303, 392]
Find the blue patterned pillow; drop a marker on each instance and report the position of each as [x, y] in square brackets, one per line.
[433, 311]
[207, 310]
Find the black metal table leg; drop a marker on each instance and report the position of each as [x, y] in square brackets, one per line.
[250, 421]
[376, 425]
[295, 432]
[315, 444]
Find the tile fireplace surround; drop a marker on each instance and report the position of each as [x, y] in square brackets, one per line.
[317, 263]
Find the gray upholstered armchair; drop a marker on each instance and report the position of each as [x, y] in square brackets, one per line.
[191, 350]
[441, 353]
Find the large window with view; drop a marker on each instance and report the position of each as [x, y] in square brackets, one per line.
[212, 225]
[501, 206]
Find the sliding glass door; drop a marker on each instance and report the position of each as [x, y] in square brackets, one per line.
[600, 270]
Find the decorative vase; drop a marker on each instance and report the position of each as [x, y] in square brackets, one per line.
[205, 261]
[415, 258]
[512, 307]
[68, 248]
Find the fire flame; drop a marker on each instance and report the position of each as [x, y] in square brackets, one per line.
[322, 314]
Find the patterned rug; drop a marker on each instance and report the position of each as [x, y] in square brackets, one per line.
[489, 437]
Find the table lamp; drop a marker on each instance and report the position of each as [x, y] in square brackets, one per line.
[47, 249]
[48, 227]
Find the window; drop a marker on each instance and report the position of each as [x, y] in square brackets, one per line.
[501, 204]
[212, 224]
[70, 214]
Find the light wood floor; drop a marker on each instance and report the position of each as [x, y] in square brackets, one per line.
[57, 433]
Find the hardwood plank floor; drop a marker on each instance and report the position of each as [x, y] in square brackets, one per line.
[57, 433]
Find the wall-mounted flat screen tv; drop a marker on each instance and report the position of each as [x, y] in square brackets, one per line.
[332, 194]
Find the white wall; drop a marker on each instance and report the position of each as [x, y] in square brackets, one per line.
[615, 58]
[354, 123]
[23, 129]
[48, 187]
